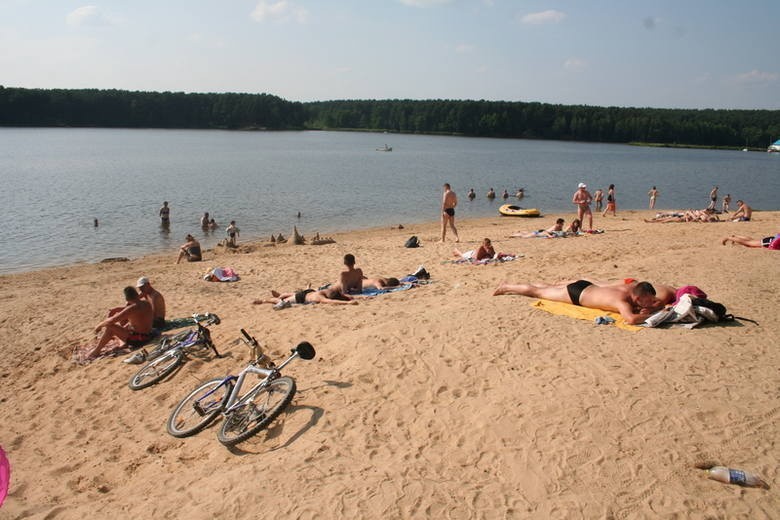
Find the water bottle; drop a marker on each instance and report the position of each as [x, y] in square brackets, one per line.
[735, 476]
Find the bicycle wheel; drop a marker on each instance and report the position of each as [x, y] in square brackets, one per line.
[199, 408]
[260, 407]
[157, 369]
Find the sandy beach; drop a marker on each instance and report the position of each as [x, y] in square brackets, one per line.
[438, 402]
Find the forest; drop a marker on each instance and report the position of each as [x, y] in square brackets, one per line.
[531, 120]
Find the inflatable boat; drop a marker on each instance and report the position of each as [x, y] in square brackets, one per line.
[509, 210]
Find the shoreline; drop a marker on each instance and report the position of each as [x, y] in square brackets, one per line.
[439, 401]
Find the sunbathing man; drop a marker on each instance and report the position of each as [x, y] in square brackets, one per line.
[743, 213]
[154, 297]
[485, 251]
[351, 279]
[767, 242]
[380, 283]
[553, 231]
[634, 301]
[330, 295]
[133, 324]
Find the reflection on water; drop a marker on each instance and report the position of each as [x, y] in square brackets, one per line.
[58, 181]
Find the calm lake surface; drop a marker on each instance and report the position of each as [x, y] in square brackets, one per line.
[55, 182]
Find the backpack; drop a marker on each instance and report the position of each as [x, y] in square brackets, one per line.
[413, 241]
[714, 311]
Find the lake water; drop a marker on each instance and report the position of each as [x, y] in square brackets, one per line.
[55, 182]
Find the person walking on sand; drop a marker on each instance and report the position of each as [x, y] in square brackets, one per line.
[726, 202]
[713, 198]
[582, 199]
[598, 198]
[653, 194]
[611, 202]
[165, 215]
[448, 202]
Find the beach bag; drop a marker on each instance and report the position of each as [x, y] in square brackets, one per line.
[710, 310]
[413, 241]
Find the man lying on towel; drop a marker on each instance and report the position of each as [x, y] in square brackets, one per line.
[635, 301]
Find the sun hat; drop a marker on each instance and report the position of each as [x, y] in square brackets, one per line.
[582, 185]
[142, 281]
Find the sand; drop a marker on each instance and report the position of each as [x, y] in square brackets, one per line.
[438, 402]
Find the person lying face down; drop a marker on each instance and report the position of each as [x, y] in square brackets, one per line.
[635, 301]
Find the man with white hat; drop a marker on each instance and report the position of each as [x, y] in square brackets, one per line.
[156, 299]
[582, 199]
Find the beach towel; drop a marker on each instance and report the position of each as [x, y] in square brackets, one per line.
[373, 291]
[583, 313]
[498, 259]
[221, 274]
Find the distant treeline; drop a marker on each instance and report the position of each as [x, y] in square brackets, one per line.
[118, 108]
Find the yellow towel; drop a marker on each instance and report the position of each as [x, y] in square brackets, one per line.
[582, 313]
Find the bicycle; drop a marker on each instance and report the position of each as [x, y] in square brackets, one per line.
[170, 352]
[243, 415]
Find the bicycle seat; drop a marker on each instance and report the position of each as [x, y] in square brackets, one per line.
[305, 350]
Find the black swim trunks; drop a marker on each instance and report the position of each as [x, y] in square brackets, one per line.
[575, 290]
[138, 339]
[300, 296]
[450, 211]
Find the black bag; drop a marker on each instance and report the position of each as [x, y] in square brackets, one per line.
[412, 242]
[717, 308]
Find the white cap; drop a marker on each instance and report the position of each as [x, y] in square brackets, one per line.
[582, 185]
[142, 281]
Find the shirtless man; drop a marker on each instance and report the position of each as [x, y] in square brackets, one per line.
[154, 297]
[556, 230]
[713, 198]
[448, 202]
[133, 324]
[330, 295]
[582, 200]
[485, 251]
[380, 282]
[743, 213]
[598, 197]
[634, 301]
[351, 279]
[767, 242]
[190, 249]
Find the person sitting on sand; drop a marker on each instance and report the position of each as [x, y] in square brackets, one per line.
[328, 295]
[634, 301]
[767, 242]
[556, 230]
[380, 283]
[484, 252]
[743, 213]
[574, 229]
[351, 279]
[154, 297]
[133, 324]
[190, 249]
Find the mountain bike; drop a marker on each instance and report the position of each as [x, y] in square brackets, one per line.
[243, 415]
[171, 352]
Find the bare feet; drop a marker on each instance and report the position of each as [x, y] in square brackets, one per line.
[500, 289]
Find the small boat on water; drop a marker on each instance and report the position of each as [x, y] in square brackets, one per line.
[774, 147]
[510, 210]
[385, 149]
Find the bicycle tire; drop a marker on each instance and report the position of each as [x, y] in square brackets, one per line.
[157, 369]
[179, 421]
[251, 417]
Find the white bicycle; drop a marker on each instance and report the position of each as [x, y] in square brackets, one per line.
[243, 415]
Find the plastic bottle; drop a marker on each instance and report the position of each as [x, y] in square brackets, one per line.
[735, 476]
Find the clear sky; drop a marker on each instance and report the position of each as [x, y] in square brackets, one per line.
[655, 53]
